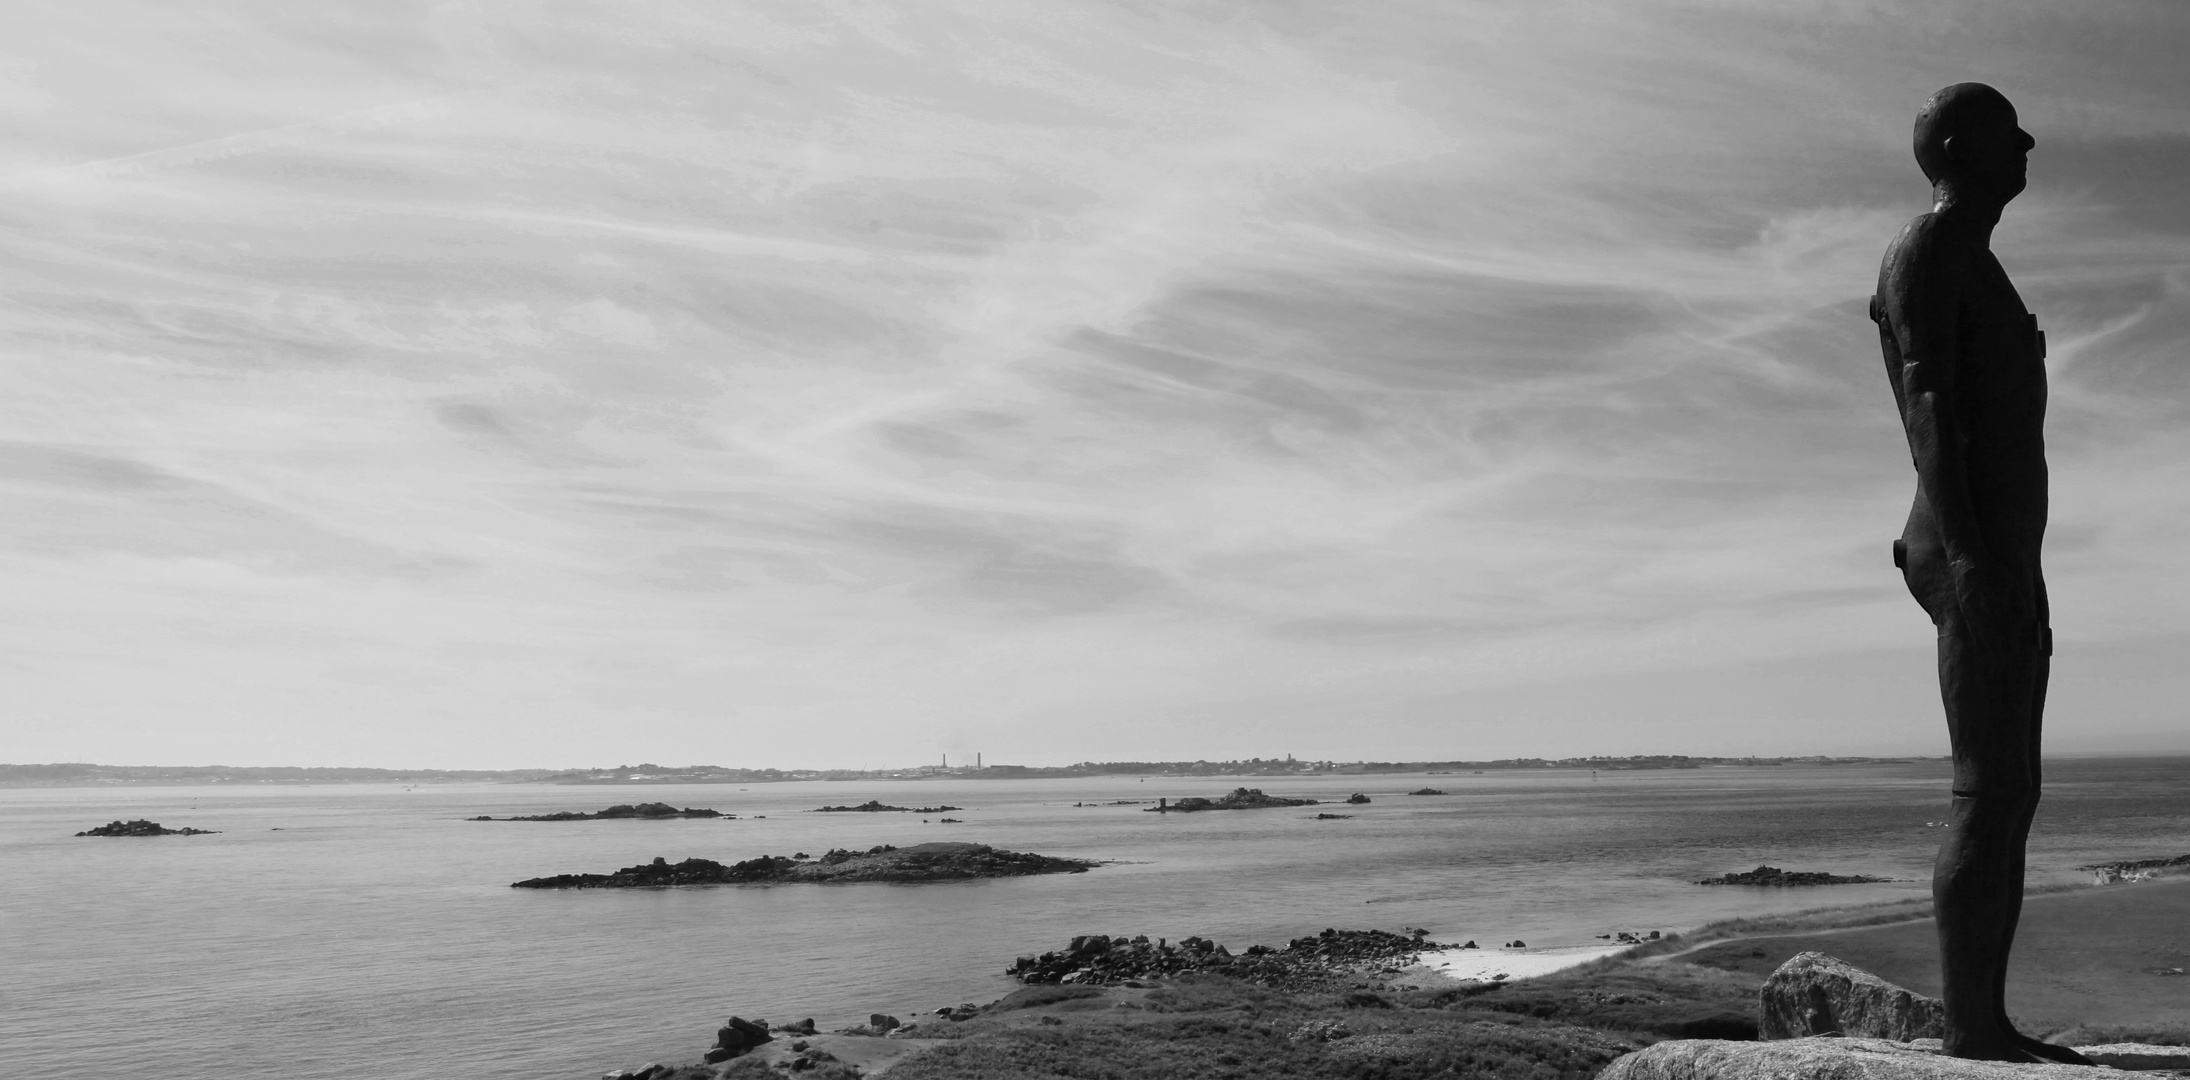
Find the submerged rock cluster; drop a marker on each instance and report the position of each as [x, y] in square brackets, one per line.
[921, 862]
[877, 806]
[2108, 873]
[1305, 962]
[1774, 876]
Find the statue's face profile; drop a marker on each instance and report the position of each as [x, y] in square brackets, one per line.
[1968, 134]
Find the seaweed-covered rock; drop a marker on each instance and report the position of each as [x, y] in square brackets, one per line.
[141, 827]
[920, 862]
[1776, 877]
[1239, 799]
[620, 810]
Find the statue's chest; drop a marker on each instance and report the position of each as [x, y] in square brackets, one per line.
[2002, 349]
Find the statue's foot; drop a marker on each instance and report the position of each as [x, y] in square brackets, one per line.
[1998, 1044]
[2045, 1051]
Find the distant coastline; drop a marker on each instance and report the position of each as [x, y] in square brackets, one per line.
[76, 774]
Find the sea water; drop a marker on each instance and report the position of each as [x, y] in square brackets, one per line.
[370, 931]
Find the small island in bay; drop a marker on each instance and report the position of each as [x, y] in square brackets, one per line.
[1239, 799]
[1774, 876]
[654, 810]
[1426, 791]
[141, 827]
[877, 806]
[939, 861]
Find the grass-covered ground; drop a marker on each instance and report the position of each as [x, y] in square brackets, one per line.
[1555, 1028]
[2092, 966]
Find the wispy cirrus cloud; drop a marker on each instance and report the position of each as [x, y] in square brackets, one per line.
[1061, 381]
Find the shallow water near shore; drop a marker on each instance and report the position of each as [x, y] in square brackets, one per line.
[369, 931]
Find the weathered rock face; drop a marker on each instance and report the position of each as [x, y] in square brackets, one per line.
[1818, 1059]
[1814, 994]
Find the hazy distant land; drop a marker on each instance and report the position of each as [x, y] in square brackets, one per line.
[648, 773]
[79, 773]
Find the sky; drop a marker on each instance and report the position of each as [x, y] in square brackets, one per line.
[842, 384]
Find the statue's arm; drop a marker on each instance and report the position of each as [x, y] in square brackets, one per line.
[1922, 294]
[1924, 290]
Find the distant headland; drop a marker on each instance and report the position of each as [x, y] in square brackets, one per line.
[71, 774]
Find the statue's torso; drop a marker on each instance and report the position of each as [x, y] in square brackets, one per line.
[1998, 393]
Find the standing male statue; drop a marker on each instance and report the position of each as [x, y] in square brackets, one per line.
[1967, 363]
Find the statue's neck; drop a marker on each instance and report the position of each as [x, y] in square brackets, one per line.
[1969, 212]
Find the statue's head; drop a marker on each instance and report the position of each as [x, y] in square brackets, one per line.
[1967, 136]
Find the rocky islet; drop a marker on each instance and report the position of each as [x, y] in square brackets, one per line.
[939, 861]
[651, 811]
[141, 827]
[1772, 876]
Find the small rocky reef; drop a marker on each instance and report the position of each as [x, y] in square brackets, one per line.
[2109, 873]
[1239, 799]
[920, 862]
[1426, 791]
[1776, 877]
[877, 806]
[648, 810]
[141, 827]
[1303, 963]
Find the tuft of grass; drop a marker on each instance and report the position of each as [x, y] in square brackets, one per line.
[1647, 1000]
[1034, 997]
[1212, 993]
[1561, 1027]
[1424, 1045]
[753, 1068]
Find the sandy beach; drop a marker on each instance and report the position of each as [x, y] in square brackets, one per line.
[1468, 965]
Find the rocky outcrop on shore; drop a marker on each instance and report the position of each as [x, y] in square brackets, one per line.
[1239, 799]
[1776, 877]
[652, 810]
[141, 827]
[920, 862]
[1304, 963]
[876, 806]
[1815, 994]
[2109, 873]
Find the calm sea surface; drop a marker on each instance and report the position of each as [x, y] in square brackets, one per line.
[369, 931]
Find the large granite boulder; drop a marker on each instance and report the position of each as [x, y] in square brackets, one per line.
[1819, 1058]
[1814, 994]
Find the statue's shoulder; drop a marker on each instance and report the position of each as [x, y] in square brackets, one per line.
[1926, 239]
[1926, 249]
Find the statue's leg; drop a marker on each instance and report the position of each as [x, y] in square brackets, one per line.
[2042, 672]
[1976, 881]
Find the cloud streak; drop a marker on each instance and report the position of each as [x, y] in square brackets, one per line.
[444, 386]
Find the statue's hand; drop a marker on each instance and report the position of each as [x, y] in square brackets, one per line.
[1999, 606]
